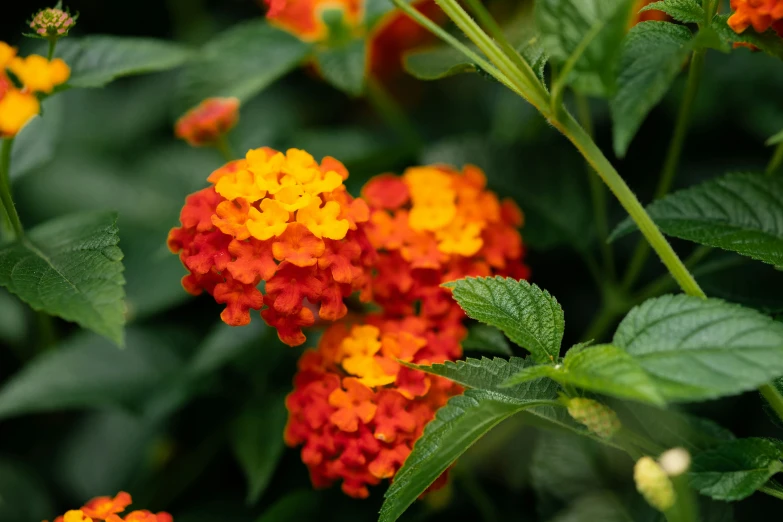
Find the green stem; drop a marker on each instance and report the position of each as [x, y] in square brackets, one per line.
[773, 492]
[52, 45]
[685, 508]
[665, 283]
[773, 397]
[5, 187]
[224, 147]
[559, 86]
[777, 159]
[673, 156]
[393, 115]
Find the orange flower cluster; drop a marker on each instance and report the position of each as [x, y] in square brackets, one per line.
[108, 509]
[355, 410]
[37, 75]
[760, 14]
[304, 18]
[652, 15]
[433, 225]
[206, 123]
[283, 219]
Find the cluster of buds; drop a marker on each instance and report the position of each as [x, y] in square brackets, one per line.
[208, 122]
[36, 74]
[52, 22]
[759, 14]
[596, 417]
[109, 509]
[282, 219]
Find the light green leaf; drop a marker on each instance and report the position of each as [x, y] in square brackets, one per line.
[653, 54]
[775, 139]
[86, 372]
[70, 267]
[736, 469]
[257, 441]
[241, 62]
[593, 27]
[687, 11]
[528, 315]
[697, 349]
[344, 66]
[487, 339]
[98, 60]
[738, 212]
[769, 41]
[457, 426]
[602, 369]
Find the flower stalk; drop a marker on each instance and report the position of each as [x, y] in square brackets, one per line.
[5, 188]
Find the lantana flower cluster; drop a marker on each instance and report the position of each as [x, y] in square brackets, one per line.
[36, 74]
[282, 219]
[109, 509]
[208, 122]
[760, 14]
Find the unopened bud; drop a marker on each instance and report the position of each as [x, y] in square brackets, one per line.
[654, 484]
[52, 22]
[599, 419]
[675, 461]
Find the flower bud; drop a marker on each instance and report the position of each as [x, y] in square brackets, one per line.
[654, 484]
[206, 123]
[599, 419]
[52, 23]
[675, 461]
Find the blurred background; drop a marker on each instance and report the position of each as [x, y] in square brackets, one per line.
[189, 406]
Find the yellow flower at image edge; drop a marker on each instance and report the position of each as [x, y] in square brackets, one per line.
[16, 109]
[38, 74]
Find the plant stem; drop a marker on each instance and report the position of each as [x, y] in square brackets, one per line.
[685, 508]
[772, 492]
[5, 187]
[224, 147]
[773, 397]
[777, 159]
[52, 45]
[673, 156]
[388, 109]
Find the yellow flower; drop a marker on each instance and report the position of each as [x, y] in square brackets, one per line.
[323, 222]
[76, 515]
[293, 197]
[7, 53]
[240, 184]
[301, 165]
[39, 74]
[271, 221]
[16, 109]
[460, 238]
[326, 183]
[359, 350]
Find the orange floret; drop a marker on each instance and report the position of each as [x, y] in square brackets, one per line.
[304, 18]
[283, 219]
[759, 14]
[653, 15]
[109, 509]
[101, 507]
[206, 123]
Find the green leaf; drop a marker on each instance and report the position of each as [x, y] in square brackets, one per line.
[241, 62]
[769, 41]
[487, 339]
[602, 369]
[775, 139]
[70, 267]
[299, 505]
[528, 315]
[593, 27]
[653, 54]
[23, 495]
[734, 470]
[224, 344]
[738, 212]
[698, 349]
[741, 280]
[457, 426]
[601, 505]
[687, 11]
[98, 60]
[257, 441]
[85, 372]
[344, 66]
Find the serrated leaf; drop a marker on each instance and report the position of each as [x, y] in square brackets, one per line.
[85, 372]
[596, 27]
[697, 349]
[457, 426]
[487, 339]
[602, 369]
[652, 55]
[241, 62]
[769, 41]
[98, 60]
[736, 469]
[344, 66]
[257, 441]
[738, 212]
[687, 11]
[528, 315]
[70, 267]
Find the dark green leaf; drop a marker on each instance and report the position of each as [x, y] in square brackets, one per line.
[344, 66]
[224, 344]
[769, 42]
[97, 60]
[596, 27]
[697, 349]
[70, 267]
[529, 316]
[736, 469]
[565, 467]
[743, 281]
[241, 62]
[603, 506]
[603, 369]
[257, 441]
[86, 372]
[653, 54]
[688, 11]
[487, 339]
[35, 144]
[738, 212]
[299, 505]
[23, 495]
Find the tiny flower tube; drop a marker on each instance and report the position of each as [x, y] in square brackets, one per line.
[758, 14]
[282, 219]
[435, 224]
[355, 410]
[110, 509]
[208, 122]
